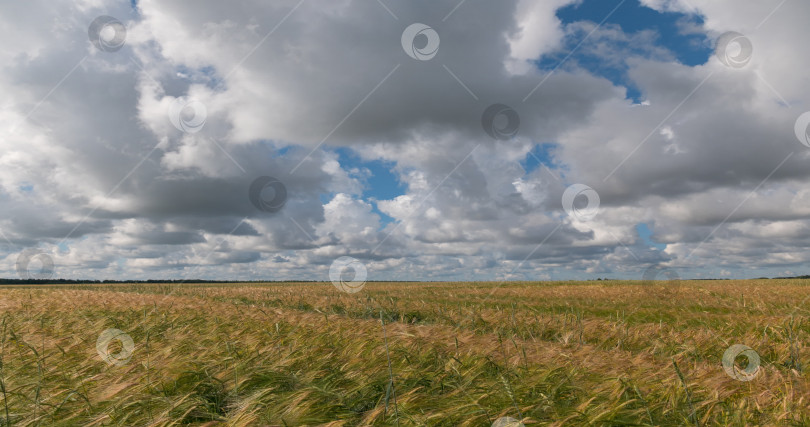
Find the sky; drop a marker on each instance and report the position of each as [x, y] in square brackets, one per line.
[412, 140]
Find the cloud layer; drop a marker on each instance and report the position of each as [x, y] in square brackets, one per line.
[138, 162]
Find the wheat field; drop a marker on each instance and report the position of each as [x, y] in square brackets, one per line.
[432, 354]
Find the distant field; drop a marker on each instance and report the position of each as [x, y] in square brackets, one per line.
[573, 353]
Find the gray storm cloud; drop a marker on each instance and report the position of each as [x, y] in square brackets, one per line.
[129, 147]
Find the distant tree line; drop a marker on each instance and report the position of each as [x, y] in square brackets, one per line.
[95, 282]
[174, 281]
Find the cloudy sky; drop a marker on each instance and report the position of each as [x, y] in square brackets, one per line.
[429, 140]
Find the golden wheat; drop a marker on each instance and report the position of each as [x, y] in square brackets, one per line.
[574, 353]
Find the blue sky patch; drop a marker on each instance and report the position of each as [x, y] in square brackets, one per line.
[541, 154]
[381, 182]
[678, 33]
[645, 233]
